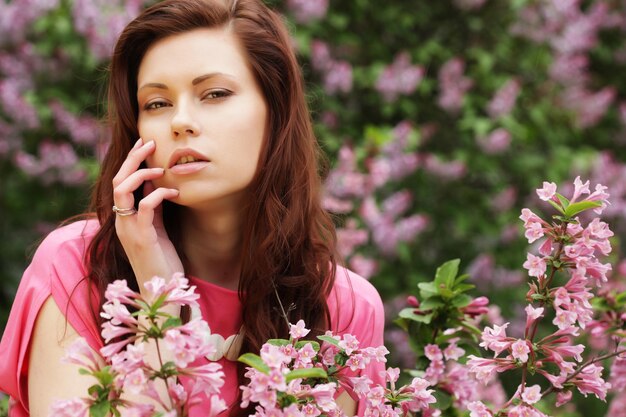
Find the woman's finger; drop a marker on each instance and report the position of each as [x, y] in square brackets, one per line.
[151, 202]
[133, 182]
[132, 162]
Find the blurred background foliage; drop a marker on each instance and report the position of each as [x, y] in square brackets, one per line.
[439, 118]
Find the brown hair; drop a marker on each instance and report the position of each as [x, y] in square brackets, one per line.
[288, 239]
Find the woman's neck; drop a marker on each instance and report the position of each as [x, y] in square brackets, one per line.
[211, 242]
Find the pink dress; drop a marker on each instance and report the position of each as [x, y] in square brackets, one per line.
[58, 270]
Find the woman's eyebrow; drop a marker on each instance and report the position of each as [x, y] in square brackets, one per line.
[210, 75]
[195, 81]
[153, 85]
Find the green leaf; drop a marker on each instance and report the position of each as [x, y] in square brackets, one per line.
[306, 373]
[556, 206]
[329, 339]
[461, 300]
[254, 361]
[278, 342]
[415, 373]
[314, 344]
[172, 322]
[409, 314]
[427, 289]
[464, 287]
[446, 273]
[431, 303]
[100, 409]
[574, 209]
[104, 376]
[564, 201]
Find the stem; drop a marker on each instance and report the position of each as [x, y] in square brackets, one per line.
[582, 367]
[158, 349]
[542, 303]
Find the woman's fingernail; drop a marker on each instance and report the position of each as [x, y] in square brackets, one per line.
[138, 143]
[150, 144]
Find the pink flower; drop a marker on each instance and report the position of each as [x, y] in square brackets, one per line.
[563, 397]
[400, 77]
[520, 350]
[495, 338]
[534, 231]
[79, 353]
[547, 192]
[478, 409]
[135, 382]
[349, 343]
[118, 290]
[69, 408]
[530, 395]
[504, 99]
[433, 352]
[306, 11]
[298, 330]
[496, 142]
[536, 266]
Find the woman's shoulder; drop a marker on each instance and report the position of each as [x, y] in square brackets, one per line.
[356, 307]
[350, 284]
[72, 237]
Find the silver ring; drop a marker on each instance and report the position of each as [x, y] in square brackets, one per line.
[124, 211]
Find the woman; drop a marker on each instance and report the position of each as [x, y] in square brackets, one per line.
[223, 185]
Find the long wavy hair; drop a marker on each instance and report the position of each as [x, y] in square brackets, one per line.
[288, 238]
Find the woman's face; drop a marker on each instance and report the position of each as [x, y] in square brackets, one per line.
[200, 103]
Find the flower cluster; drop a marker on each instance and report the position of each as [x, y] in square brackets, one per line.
[124, 365]
[400, 77]
[441, 325]
[349, 189]
[301, 378]
[563, 275]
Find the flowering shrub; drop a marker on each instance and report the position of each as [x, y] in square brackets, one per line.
[301, 377]
[563, 277]
[124, 367]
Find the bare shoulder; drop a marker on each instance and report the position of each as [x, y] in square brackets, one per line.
[48, 378]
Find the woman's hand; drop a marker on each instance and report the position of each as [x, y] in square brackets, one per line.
[142, 234]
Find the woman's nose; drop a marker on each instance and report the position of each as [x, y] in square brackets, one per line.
[183, 122]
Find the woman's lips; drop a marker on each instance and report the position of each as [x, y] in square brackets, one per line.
[189, 167]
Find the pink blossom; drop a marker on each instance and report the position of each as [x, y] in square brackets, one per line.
[69, 408]
[496, 142]
[504, 99]
[495, 338]
[478, 409]
[349, 343]
[531, 395]
[520, 350]
[306, 11]
[338, 77]
[453, 85]
[298, 330]
[118, 290]
[135, 382]
[563, 397]
[400, 77]
[590, 381]
[534, 231]
[547, 192]
[433, 352]
[79, 353]
[536, 266]
[363, 266]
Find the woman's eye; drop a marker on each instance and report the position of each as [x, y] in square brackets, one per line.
[216, 94]
[155, 105]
